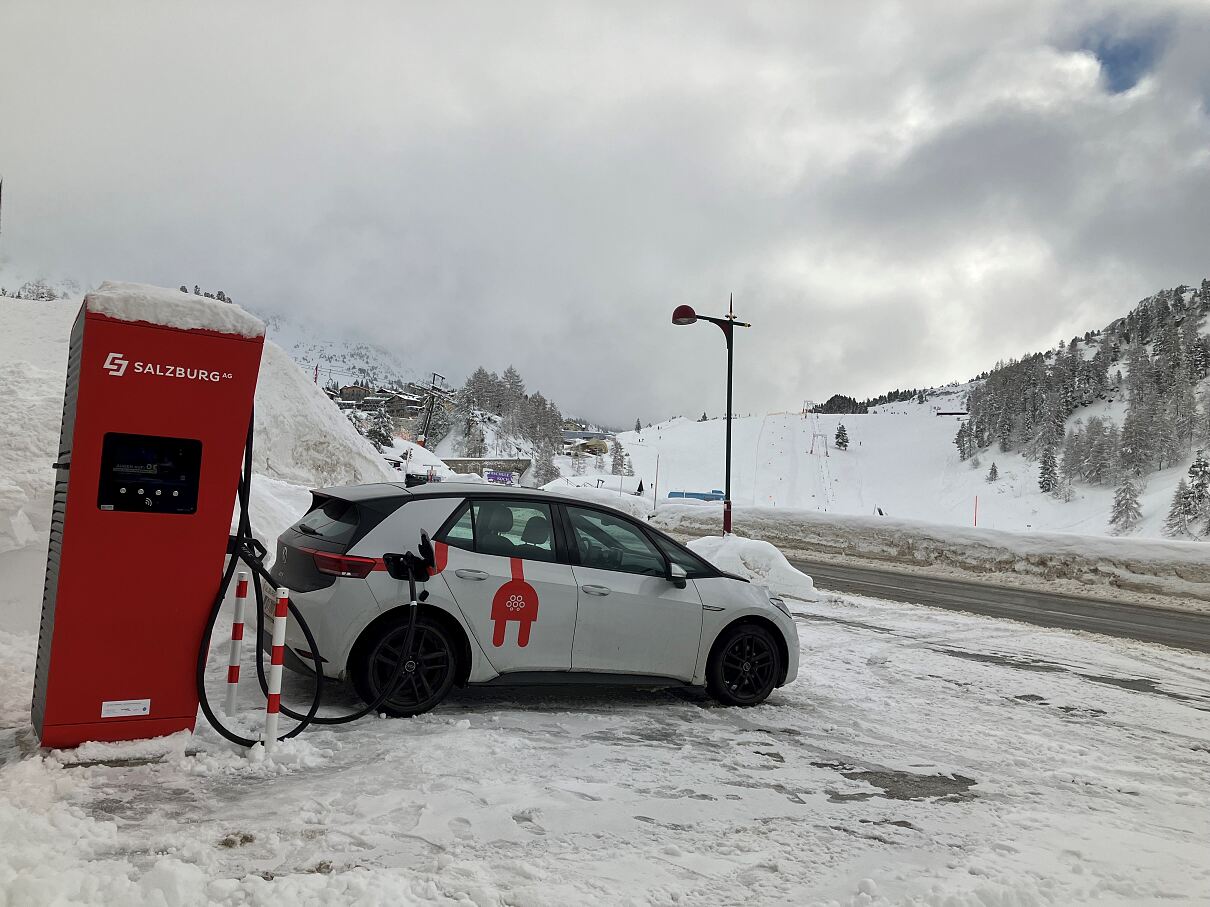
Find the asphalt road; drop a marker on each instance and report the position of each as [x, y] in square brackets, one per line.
[1181, 629]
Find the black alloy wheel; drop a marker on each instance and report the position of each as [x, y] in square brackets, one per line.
[428, 669]
[744, 667]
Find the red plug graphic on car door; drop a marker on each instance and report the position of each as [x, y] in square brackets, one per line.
[515, 600]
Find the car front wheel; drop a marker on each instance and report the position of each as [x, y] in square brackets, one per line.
[744, 665]
[428, 669]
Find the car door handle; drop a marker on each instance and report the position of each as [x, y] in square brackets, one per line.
[463, 573]
[597, 590]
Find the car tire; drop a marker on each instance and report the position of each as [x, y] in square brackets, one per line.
[422, 687]
[744, 665]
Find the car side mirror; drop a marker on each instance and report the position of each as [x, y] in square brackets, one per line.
[677, 576]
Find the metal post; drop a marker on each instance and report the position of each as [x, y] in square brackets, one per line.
[237, 642]
[729, 330]
[273, 705]
[655, 489]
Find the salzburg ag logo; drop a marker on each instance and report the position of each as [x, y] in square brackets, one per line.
[116, 363]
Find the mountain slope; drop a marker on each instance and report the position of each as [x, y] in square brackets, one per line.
[903, 461]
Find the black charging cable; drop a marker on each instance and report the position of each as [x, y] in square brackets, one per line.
[245, 548]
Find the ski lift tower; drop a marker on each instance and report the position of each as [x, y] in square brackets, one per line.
[818, 437]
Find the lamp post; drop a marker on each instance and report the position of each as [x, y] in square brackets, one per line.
[684, 314]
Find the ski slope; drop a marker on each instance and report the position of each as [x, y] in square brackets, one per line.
[901, 462]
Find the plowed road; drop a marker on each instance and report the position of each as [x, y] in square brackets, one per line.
[1167, 627]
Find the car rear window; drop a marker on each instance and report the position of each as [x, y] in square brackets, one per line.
[333, 520]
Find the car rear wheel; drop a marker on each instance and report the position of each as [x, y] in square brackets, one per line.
[744, 665]
[428, 670]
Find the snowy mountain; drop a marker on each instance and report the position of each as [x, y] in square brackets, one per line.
[26, 283]
[902, 459]
[341, 357]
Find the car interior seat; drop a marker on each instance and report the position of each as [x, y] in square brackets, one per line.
[492, 521]
[536, 537]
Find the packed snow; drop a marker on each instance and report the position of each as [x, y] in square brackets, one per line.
[757, 561]
[171, 308]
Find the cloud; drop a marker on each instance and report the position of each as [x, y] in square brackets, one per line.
[897, 195]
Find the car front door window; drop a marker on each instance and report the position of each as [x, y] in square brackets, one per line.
[606, 542]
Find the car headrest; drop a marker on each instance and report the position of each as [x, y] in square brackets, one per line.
[496, 518]
[537, 531]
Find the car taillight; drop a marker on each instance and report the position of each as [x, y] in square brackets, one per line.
[341, 564]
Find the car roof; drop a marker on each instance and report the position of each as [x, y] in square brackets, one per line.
[486, 489]
[378, 490]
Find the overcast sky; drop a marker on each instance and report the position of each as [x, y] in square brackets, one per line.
[898, 193]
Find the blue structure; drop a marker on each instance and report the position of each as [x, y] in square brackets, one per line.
[715, 495]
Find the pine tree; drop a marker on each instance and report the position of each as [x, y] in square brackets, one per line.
[577, 463]
[703, 418]
[1048, 472]
[638, 426]
[628, 467]
[993, 474]
[617, 460]
[474, 445]
[963, 441]
[1125, 514]
[1181, 513]
[380, 429]
[599, 464]
[514, 387]
[545, 470]
[842, 438]
[1199, 485]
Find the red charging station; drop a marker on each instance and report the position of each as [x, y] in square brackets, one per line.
[159, 393]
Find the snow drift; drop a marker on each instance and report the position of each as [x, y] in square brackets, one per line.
[757, 561]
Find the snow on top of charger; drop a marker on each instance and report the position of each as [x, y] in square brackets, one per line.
[171, 308]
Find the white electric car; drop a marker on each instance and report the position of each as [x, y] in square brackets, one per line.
[528, 587]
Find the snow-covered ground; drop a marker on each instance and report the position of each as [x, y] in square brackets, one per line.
[901, 461]
[922, 757]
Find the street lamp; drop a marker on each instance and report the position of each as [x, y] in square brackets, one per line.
[684, 314]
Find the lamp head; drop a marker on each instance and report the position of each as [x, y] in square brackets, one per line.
[684, 314]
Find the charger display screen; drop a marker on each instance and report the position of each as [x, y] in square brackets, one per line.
[149, 473]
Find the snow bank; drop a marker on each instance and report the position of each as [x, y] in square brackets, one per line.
[417, 460]
[301, 437]
[1166, 568]
[757, 561]
[639, 508]
[603, 480]
[172, 308]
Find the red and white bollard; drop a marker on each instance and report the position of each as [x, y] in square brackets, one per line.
[237, 642]
[273, 705]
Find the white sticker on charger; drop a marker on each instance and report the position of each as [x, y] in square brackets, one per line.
[124, 708]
